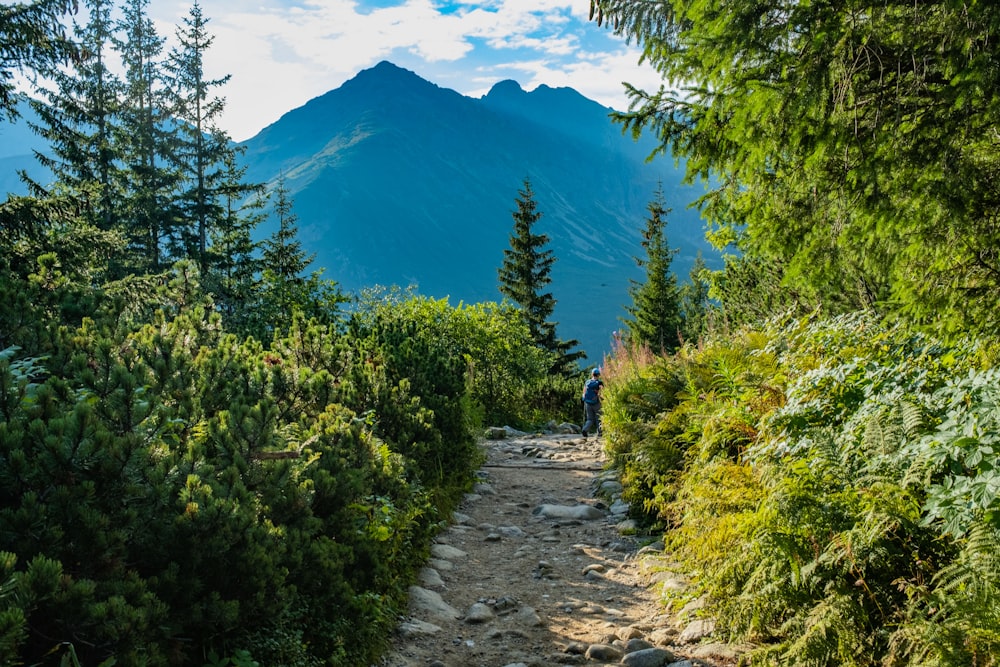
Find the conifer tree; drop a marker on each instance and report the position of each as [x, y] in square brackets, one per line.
[33, 40]
[77, 118]
[526, 271]
[851, 147]
[655, 311]
[146, 136]
[203, 149]
[283, 255]
[694, 301]
[286, 287]
[234, 280]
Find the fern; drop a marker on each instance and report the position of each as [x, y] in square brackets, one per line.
[957, 621]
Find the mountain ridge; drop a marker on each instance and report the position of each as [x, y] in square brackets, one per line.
[411, 183]
[398, 181]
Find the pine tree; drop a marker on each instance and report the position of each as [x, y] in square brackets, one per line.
[234, 281]
[526, 271]
[146, 136]
[77, 119]
[655, 310]
[204, 147]
[34, 41]
[694, 301]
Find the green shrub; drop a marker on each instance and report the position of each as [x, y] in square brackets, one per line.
[169, 491]
[831, 483]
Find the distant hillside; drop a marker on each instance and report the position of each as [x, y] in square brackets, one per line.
[398, 181]
[17, 145]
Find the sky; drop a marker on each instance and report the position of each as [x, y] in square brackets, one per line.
[282, 53]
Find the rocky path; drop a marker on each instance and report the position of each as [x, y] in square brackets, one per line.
[538, 570]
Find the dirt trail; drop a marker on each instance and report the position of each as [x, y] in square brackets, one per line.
[535, 571]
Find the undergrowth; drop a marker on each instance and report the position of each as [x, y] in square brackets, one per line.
[830, 484]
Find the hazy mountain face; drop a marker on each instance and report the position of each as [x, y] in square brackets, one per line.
[398, 181]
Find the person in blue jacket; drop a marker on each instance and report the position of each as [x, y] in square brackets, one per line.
[592, 402]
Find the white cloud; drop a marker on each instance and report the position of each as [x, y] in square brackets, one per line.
[280, 55]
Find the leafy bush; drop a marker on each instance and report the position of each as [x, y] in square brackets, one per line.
[507, 374]
[832, 484]
[168, 491]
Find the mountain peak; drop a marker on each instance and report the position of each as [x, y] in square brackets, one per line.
[386, 74]
[504, 89]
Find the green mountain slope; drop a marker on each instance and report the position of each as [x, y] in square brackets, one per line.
[398, 181]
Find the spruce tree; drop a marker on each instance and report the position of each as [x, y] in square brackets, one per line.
[34, 41]
[146, 136]
[694, 301]
[234, 280]
[203, 148]
[77, 118]
[526, 272]
[283, 285]
[655, 315]
[283, 256]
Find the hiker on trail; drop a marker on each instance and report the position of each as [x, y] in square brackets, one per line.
[592, 402]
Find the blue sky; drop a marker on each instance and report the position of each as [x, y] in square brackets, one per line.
[282, 53]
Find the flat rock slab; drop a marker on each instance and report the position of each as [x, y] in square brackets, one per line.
[447, 552]
[428, 603]
[414, 628]
[430, 578]
[580, 512]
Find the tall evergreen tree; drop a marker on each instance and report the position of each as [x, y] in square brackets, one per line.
[33, 40]
[234, 280]
[655, 314]
[853, 145]
[204, 148]
[146, 136]
[283, 256]
[284, 288]
[694, 301]
[78, 117]
[526, 272]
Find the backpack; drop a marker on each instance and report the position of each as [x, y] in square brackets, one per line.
[590, 391]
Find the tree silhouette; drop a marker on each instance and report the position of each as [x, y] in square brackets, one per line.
[655, 310]
[526, 272]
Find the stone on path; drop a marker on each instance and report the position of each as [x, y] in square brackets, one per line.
[423, 601]
[511, 531]
[628, 632]
[429, 578]
[637, 644]
[580, 512]
[726, 653]
[441, 564]
[479, 613]
[650, 657]
[447, 552]
[604, 653]
[696, 631]
[663, 636]
[528, 617]
[610, 488]
[416, 628]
